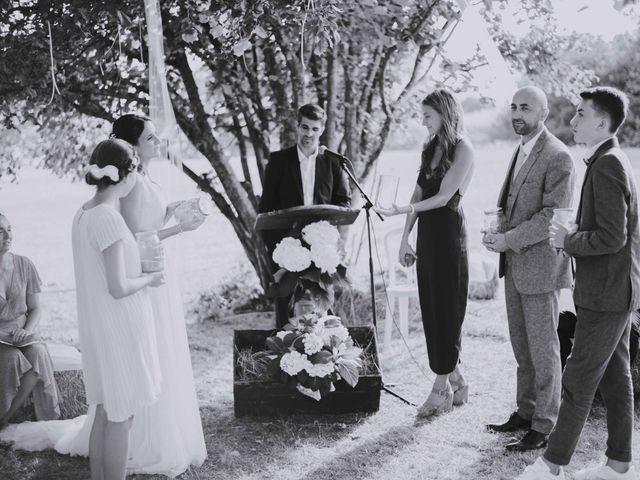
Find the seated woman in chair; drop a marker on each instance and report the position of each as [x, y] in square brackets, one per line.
[25, 364]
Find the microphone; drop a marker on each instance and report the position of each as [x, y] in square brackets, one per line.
[324, 150]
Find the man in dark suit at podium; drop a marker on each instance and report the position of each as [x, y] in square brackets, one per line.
[301, 175]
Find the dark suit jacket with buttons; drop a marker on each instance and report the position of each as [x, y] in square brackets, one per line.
[282, 186]
[606, 245]
[545, 181]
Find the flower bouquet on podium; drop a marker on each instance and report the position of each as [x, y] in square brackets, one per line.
[309, 260]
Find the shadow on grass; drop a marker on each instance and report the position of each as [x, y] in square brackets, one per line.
[361, 461]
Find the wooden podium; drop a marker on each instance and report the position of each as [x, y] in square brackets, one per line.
[290, 217]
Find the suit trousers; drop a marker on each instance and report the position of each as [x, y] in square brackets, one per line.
[599, 360]
[533, 323]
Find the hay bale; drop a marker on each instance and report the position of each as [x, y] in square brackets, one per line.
[67, 370]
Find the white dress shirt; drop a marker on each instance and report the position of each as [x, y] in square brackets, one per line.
[308, 174]
[523, 153]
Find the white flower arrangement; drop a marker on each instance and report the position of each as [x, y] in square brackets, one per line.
[325, 257]
[291, 255]
[321, 232]
[309, 260]
[313, 352]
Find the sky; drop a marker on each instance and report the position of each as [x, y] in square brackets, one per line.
[598, 17]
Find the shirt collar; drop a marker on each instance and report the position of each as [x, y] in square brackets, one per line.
[302, 156]
[527, 147]
[592, 151]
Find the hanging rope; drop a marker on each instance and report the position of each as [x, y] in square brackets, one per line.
[310, 6]
[54, 84]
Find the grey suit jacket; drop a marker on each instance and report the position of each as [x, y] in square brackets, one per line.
[545, 181]
[607, 244]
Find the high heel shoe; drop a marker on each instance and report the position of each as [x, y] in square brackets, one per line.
[439, 401]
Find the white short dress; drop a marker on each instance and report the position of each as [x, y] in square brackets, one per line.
[117, 336]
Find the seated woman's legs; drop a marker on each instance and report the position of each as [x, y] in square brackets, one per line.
[27, 383]
[45, 393]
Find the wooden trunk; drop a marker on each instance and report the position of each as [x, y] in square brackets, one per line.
[273, 398]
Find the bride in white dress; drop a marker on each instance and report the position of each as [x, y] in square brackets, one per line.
[166, 437]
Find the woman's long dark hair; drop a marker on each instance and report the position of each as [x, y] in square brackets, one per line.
[452, 129]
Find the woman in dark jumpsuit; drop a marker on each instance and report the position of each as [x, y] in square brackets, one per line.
[441, 257]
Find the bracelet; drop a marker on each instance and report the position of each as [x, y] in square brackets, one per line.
[179, 225]
[412, 208]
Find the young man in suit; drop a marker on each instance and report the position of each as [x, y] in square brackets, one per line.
[606, 248]
[301, 175]
[541, 178]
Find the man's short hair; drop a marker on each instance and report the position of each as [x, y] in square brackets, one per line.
[312, 112]
[609, 101]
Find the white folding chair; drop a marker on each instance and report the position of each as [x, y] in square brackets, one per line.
[399, 288]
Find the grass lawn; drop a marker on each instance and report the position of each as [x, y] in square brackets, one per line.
[385, 445]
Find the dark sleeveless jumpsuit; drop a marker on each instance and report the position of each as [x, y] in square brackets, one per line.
[443, 276]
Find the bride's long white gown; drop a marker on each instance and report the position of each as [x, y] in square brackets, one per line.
[166, 438]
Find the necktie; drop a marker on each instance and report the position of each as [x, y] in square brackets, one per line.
[522, 157]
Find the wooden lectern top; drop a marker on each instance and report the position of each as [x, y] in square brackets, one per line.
[286, 218]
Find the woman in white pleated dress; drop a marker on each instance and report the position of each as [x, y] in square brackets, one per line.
[167, 437]
[117, 336]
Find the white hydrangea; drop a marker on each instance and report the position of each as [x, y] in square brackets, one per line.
[291, 255]
[326, 257]
[320, 369]
[294, 362]
[312, 343]
[321, 232]
[340, 331]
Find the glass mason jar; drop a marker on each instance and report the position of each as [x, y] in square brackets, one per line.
[193, 210]
[564, 216]
[494, 221]
[151, 253]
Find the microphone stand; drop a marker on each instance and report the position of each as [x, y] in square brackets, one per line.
[344, 164]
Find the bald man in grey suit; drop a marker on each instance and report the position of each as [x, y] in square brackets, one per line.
[541, 177]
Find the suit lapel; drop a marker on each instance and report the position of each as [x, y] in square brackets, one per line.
[526, 167]
[296, 176]
[504, 192]
[602, 149]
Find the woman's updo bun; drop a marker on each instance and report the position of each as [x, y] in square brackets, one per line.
[113, 152]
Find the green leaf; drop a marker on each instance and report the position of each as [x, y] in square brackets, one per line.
[349, 370]
[321, 357]
[275, 344]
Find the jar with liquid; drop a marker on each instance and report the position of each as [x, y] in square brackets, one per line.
[494, 221]
[151, 252]
[193, 210]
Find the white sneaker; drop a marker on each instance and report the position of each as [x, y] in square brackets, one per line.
[539, 470]
[604, 472]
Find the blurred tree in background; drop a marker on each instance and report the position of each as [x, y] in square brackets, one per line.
[237, 72]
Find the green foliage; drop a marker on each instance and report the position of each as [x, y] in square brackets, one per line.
[238, 293]
[241, 69]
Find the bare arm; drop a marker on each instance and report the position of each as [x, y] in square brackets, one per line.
[33, 312]
[456, 177]
[118, 283]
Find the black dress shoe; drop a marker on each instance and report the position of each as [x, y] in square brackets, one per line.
[515, 423]
[532, 440]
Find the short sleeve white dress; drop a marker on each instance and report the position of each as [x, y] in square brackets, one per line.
[117, 336]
